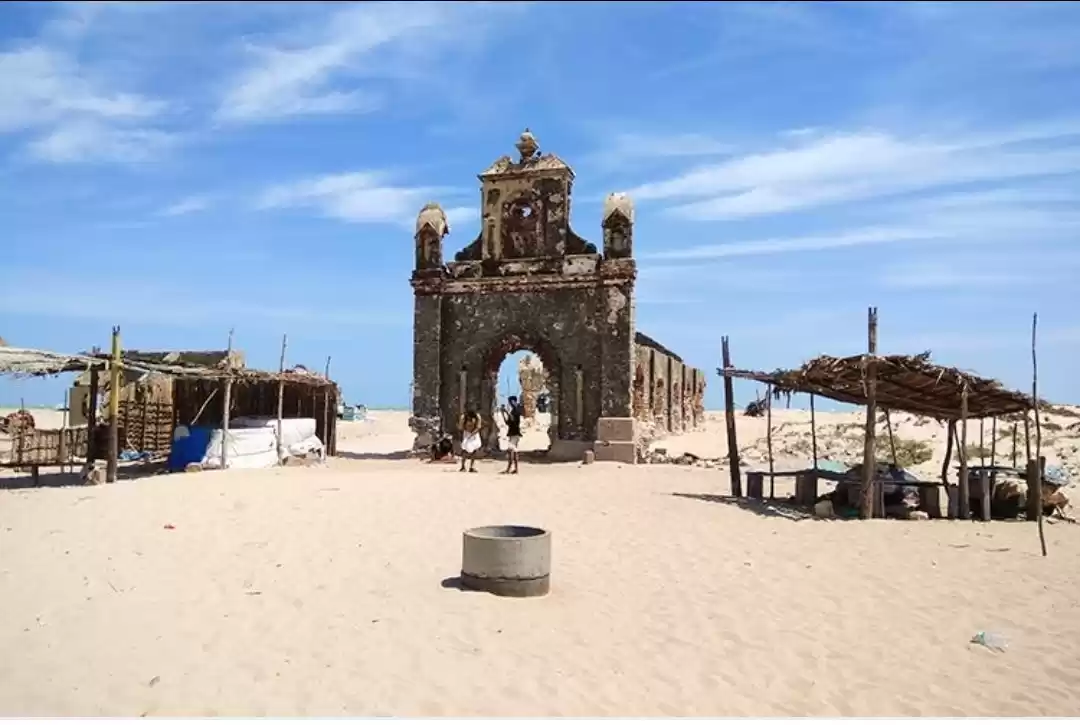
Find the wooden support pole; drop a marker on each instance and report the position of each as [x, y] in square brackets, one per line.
[115, 364]
[965, 484]
[226, 410]
[65, 452]
[729, 419]
[892, 439]
[1027, 436]
[866, 490]
[768, 441]
[993, 443]
[982, 443]
[984, 493]
[813, 432]
[1014, 445]
[1035, 492]
[950, 497]
[92, 415]
[281, 398]
[326, 410]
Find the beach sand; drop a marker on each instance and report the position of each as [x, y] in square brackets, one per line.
[319, 591]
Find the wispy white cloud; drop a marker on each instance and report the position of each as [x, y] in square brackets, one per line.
[80, 117]
[88, 141]
[846, 167]
[42, 86]
[779, 245]
[359, 196]
[187, 205]
[317, 70]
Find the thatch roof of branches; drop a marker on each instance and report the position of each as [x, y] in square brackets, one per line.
[24, 362]
[909, 383]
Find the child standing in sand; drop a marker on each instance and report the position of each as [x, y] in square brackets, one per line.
[470, 439]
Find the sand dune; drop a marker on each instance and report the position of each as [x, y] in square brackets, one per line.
[316, 591]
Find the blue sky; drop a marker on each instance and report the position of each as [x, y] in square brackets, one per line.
[181, 170]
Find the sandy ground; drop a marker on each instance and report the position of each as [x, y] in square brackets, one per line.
[318, 591]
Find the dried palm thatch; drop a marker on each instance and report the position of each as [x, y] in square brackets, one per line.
[909, 383]
[23, 362]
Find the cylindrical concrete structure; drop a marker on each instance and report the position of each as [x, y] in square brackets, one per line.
[510, 561]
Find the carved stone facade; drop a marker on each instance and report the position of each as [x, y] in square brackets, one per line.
[529, 282]
[532, 379]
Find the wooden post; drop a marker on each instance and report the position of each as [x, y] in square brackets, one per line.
[91, 415]
[965, 485]
[226, 411]
[982, 443]
[281, 398]
[326, 410]
[1034, 482]
[1014, 445]
[892, 440]
[755, 485]
[114, 409]
[1035, 493]
[866, 490]
[768, 441]
[65, 453]
[993, 443]
[1027, 436]
[984, 493]
[950, 498]
[813, 432]
[729, 419]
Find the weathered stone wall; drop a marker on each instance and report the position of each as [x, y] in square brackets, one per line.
[668, 394]
[557, 325]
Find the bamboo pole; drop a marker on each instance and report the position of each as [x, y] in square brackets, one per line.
[281, 398]
[961, 449]
[813, 432]
[1035, 493]
[729, 419]
[226, 411]
[950, 433]
[768, 441]
[115, 364]
[866, 490]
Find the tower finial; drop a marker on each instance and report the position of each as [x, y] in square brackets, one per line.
[527, 145]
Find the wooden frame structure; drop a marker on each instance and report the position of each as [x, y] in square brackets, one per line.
[908, 383]
[248, 392]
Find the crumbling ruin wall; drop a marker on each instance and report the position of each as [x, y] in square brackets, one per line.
[671, 396]
[532, 379]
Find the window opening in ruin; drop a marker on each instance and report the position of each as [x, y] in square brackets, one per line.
[522, 374]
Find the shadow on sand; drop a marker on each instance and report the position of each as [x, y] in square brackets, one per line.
[392, 456]
[771, 509]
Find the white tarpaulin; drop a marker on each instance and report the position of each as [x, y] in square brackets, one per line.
[252, 442]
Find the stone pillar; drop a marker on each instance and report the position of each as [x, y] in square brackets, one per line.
[427, 337]
[614, 433]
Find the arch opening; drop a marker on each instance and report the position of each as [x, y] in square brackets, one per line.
[527, 368]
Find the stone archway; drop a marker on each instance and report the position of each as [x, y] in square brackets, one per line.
[527, 281]
[508, 344]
